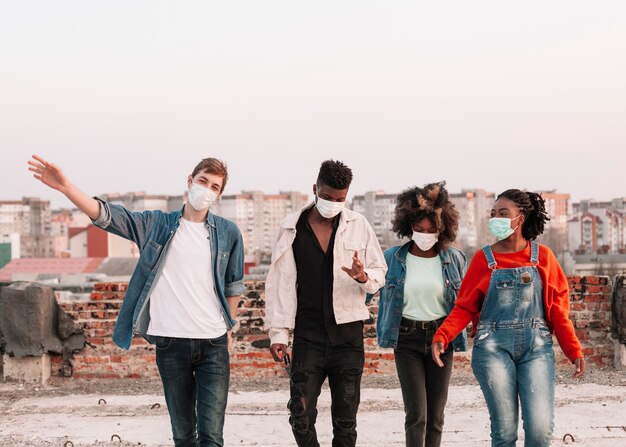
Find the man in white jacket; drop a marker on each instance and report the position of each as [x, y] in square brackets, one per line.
[325, 261]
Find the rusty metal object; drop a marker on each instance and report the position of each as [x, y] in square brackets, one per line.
[565, 436]
[153, 406]
[116, 436]
[102, 402]
[68, 444]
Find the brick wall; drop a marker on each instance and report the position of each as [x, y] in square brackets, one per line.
[101, 358]
[590, 312]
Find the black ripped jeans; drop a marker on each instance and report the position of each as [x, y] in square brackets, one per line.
[311, 364]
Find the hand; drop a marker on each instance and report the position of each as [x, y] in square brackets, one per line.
[437, 349]
[356, 272]
[278, 351]
[229, 336]
[580, 367]
[48, 173]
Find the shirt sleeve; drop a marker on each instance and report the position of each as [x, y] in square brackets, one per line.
[279, 335]
[559, 305]
[233, 277]
[132, 225]
[375, 265]
[468, 303]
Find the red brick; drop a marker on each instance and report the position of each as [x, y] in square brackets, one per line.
[100, 286]
[592, 298]
[592, 280]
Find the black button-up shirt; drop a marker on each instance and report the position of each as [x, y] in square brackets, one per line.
[315, 319]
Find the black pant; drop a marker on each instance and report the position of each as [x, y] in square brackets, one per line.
[312, 363]
[424, 385]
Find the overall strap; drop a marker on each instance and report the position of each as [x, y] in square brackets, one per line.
[491, 261]
[534, 253]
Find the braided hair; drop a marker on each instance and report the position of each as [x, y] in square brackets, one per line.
[431, 202]
[533, 207]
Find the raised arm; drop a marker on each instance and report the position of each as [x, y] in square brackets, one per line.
[51, 175]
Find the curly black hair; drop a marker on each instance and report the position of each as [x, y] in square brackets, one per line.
[335, 174]
[533, 207]
[431, 202]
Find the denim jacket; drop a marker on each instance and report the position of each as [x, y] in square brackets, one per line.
[152, 231]
[454, 265]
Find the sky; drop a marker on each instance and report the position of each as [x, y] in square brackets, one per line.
[130, 95]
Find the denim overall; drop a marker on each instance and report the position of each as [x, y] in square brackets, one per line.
[513, 356]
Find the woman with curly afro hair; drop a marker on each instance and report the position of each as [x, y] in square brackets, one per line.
[422, 281]
[517, 295]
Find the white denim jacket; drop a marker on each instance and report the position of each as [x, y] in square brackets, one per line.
[354, 233]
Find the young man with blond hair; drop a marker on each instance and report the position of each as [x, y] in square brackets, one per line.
[182, 295]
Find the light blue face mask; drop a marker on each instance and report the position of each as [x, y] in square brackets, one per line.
[500, 227]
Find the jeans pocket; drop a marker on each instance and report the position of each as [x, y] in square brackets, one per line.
[162, 343]
[482, 334]
[404, 330]
[221, 341]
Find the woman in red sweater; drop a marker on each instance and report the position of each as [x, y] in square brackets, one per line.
[517, 295]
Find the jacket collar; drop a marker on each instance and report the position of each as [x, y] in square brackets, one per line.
[210, 217]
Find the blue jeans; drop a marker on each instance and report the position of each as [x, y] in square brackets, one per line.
[195, 375]
[516, 361]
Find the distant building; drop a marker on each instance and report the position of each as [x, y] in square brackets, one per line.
[258, 216]
[610, 264]
[93, 242]
[68, 270]
[474, 207]
[31, 219]
[556, 232]
[378, 208]
[10, 246]
[140, 201]
[37, 269]
[598, 227]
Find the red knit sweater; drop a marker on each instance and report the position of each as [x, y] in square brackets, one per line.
[555, 297]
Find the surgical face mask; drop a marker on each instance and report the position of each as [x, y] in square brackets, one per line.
[500, 227]
[201, 198]
[425, 241]
[329, 209]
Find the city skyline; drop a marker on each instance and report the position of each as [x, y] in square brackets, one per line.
[351, 195]
[492, 95]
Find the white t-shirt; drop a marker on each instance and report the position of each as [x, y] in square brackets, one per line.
[183, 302]
[423, 289]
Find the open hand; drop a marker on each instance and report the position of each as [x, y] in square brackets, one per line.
[48, 173]
[356, 272]
[437, 349]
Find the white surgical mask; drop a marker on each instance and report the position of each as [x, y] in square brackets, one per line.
[425, 241]
[329, 209]
[201, 198]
